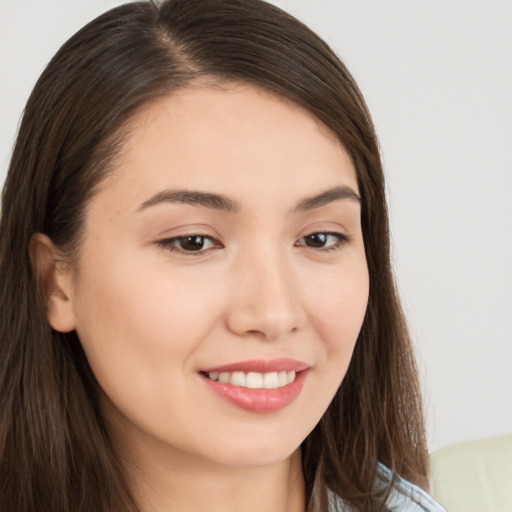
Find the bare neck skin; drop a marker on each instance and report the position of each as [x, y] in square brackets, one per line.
[164, 479]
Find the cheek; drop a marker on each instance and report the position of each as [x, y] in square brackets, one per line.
[340, 308]
[337, 315]
[138, 326]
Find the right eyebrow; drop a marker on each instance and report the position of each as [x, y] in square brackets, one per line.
[341, 192]
[194, 198]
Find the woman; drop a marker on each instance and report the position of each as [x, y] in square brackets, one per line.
[198, 311]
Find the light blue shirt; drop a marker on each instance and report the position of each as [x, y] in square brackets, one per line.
[405, 497]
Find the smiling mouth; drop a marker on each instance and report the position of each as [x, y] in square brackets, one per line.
[258, 385]
[253, 380]
[254, 391]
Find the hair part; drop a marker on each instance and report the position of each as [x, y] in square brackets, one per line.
[55, 452]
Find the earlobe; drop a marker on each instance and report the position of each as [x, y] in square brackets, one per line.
[54, 280]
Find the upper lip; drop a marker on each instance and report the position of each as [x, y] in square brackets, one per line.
[261, 366]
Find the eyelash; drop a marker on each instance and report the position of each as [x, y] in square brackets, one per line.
[340, 240]
[170, 244]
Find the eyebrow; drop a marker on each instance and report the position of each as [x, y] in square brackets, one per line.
[223, 203]
[329, 196]
[194, 198]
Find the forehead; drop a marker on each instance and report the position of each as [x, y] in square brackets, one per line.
[233, 139]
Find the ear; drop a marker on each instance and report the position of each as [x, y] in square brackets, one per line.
[55, 281]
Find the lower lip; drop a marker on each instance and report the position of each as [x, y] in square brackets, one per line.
[259, 400]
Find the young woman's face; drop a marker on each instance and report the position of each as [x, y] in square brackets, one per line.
[222, 281]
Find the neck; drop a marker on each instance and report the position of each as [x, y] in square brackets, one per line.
[163, 478]
[183, 483]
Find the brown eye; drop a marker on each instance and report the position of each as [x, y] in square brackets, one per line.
[323, 241]
[190, 244]
[316, 240]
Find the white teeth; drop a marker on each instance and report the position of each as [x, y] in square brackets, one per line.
[237, 379]
[270, 380]
[254, 380]
[224, 377]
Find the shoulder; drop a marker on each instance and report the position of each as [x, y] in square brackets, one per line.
[407, 497]
[404, 496]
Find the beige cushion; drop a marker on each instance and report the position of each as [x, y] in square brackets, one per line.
[474, 476]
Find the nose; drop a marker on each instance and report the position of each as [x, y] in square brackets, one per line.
[264, 297]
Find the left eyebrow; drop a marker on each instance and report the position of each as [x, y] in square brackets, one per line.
[193, 198]
[329, 196]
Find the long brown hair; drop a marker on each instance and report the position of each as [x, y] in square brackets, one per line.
[55, 453]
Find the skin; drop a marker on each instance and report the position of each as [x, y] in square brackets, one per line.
[150, 317]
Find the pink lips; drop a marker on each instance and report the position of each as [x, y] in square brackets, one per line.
[258, 399]
[261, 366]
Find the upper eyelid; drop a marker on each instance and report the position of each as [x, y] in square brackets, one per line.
[324, 232]
[342, 238]
[203, 235]
[187, 235]
[338, 234]
[170, 239]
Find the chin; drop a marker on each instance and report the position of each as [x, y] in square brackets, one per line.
[256, 458]
[254, 451]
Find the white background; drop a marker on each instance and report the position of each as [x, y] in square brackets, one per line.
[437, 76]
